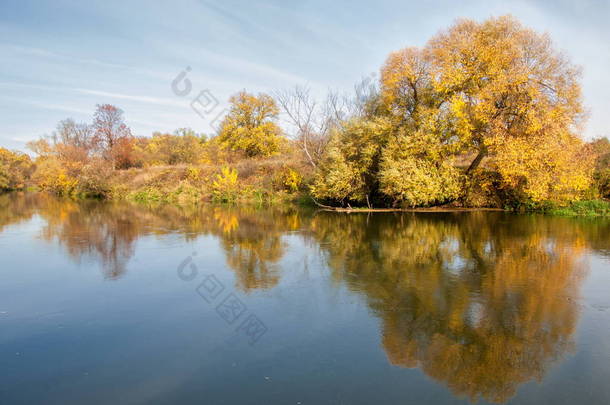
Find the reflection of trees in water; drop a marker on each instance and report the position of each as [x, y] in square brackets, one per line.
[105, 232]
[253, 246]
[480, 302]
[88, 228]
[15, 208]
[251, 238]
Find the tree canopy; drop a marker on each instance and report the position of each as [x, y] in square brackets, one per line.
[493, 92]
[250, 125]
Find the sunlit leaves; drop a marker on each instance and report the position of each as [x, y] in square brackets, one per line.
[250, 126]
[495, 91]
[15, 169]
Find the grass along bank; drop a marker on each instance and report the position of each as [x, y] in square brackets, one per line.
[266, 181]
[590, 208]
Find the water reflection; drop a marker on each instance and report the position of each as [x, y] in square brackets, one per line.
[252, 242]
[480, 302]
[107, 232]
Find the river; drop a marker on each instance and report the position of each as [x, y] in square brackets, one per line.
[115, 303]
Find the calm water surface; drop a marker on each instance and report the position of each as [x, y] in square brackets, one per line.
[121, 304]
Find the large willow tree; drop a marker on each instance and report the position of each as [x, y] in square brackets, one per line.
[494, 93]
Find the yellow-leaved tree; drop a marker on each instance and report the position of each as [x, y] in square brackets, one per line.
[15, 169]
[417, 167]
[348, 171]
[251, 125]
[513, 99]
[479, 97]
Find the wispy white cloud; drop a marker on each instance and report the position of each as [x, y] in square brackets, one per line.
[58, 107]
[47, 54]
[159, 101]
[50, 65]
[142, 99]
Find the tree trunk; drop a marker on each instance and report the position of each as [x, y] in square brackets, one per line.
[475, 163]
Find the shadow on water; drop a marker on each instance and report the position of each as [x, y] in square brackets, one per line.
[481, 302]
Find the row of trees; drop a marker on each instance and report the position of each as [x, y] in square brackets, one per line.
[107, 138]
[484, 114]
[82, 158]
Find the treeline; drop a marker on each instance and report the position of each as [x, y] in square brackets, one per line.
[104, 159]
[485, 114]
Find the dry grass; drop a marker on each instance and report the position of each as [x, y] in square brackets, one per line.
[258, 180]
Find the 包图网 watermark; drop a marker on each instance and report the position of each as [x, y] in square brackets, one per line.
[226, 303]
[205, 104]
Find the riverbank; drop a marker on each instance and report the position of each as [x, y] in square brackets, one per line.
[431, 209]
[185, 194]
[270, 181]
[260, 181]
[592, 208]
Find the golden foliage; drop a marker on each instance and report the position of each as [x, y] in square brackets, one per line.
[250, 126]
[171, 149]
[514, 98]
[414, 173]
[226, 188]
[600, 150]
[288, 179]
[543, 168]
[493, 89]
[15, 169]
[348, 169]
[480, 307]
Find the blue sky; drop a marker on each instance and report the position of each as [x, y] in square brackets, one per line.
[60, 58]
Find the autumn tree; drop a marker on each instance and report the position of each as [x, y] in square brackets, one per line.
[77, 158]
[112, 136]
[349, 170]
[183, 146]
[495, 92]
[509, 91]
[74, 141]
[417, 167]
[251, 125]
[600, 150]
[15, 169]
[400, 152]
